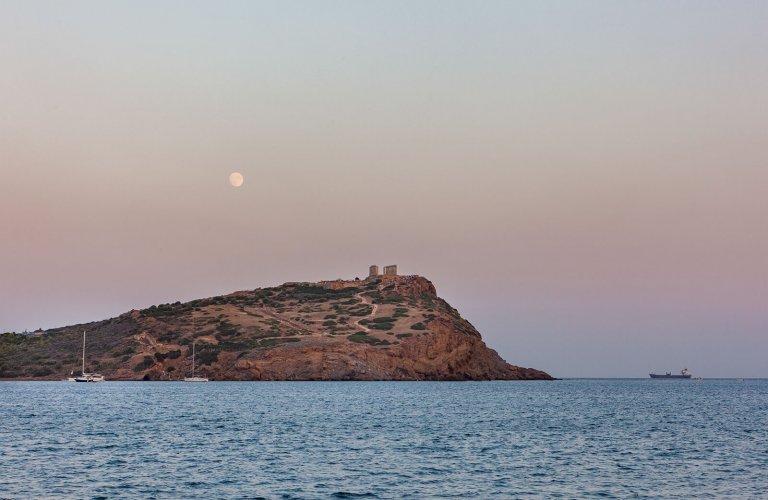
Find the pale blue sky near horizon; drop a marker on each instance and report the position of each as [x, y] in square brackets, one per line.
[585, 181]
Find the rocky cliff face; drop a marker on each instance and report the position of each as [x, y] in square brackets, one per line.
[389, 328]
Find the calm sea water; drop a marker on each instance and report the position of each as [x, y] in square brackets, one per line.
[573, 438]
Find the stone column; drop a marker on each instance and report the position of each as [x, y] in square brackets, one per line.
[390, 270]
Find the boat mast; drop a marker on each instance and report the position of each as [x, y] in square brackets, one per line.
[194, 329]
[83, 372]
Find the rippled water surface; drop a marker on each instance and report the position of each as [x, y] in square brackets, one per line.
[573, 438]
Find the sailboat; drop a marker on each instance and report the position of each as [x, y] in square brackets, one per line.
[86, 377]
[194, 378]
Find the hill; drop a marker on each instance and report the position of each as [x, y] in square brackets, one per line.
[381, 328]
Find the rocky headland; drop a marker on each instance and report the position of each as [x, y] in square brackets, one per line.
[381, 328]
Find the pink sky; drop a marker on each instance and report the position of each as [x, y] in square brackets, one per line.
[585, 183]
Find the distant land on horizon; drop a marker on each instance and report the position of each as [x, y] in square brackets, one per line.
[385, 327]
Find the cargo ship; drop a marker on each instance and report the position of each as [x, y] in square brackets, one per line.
[684, 373]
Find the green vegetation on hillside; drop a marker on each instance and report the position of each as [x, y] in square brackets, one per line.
[364, 338]
[158, 339]
[57, 352]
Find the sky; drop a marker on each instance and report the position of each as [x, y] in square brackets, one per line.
[587, 182]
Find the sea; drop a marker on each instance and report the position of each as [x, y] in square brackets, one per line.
[636, 438]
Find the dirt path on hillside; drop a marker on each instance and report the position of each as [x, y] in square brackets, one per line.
[146, 339]
[368, 301]
[292, 324]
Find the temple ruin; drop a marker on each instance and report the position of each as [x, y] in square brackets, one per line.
[373, 271]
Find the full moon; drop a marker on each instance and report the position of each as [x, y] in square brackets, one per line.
[236, 179]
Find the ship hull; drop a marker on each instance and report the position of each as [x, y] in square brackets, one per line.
[656, 375]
